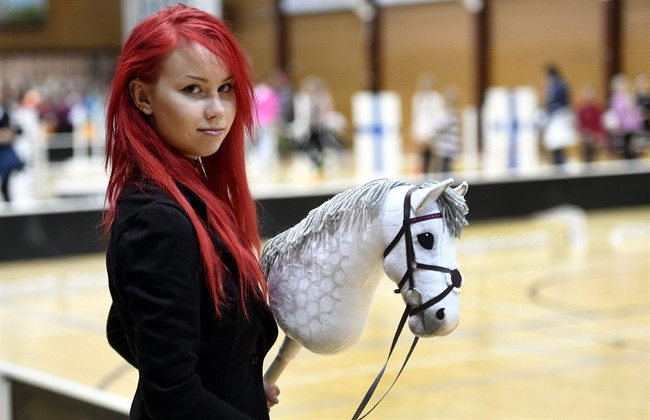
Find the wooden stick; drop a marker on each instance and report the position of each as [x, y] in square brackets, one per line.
[287, 352]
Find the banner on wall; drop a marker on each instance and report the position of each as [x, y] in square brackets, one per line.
[377, 139]
[510, 137]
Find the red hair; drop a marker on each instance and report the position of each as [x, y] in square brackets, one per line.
[135, 153]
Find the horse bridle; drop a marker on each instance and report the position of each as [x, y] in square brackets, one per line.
[412, 295]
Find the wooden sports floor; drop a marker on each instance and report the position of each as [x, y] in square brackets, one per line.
[555, 324]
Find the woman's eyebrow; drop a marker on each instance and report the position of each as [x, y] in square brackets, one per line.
[199, 78]
[205, 80]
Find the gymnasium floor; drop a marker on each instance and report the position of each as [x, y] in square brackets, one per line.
[555, 324]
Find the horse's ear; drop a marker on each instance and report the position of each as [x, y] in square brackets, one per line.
[462, 188]
[424, 196]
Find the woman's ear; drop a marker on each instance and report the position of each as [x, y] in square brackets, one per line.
[139, 91]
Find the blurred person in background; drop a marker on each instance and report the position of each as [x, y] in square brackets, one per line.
[589, 113]
[281, 82]
[447, 133]
[264, 150]
[427, 109]
[317, 126]
[642, 91]
[628, 114]
[559, 132]
[9, 160]
[189, 307]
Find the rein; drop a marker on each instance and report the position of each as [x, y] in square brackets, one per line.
[412, 295]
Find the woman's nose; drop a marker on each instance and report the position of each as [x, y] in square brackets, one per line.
[214, 107]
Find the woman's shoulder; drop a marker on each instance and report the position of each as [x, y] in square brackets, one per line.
[147, 211]
[148, 201]
[147, 197]
[141, 195]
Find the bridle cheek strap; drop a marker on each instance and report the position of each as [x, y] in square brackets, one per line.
[412, 263]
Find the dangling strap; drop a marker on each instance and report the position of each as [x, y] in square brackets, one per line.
[405, 231]
[371, 390]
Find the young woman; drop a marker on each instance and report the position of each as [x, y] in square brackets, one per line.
[189, 299]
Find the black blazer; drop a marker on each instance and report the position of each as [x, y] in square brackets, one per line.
[191, 365]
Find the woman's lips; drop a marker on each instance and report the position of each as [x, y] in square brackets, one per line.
[211, 131]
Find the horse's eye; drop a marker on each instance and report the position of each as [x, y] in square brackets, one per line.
[426, 240]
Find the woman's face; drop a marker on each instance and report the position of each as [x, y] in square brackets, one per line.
[192, 104]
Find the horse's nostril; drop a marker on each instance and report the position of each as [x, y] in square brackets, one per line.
[440, 314]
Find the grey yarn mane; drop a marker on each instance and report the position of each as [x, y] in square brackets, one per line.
[357, 205]
[360, 205]
[453, 208]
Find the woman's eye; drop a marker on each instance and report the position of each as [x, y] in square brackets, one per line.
[227, 87]
[191, 89]
[426, 240]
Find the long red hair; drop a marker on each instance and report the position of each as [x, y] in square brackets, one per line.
[136, 154]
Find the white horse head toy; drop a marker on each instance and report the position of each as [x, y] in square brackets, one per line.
[323, 272]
